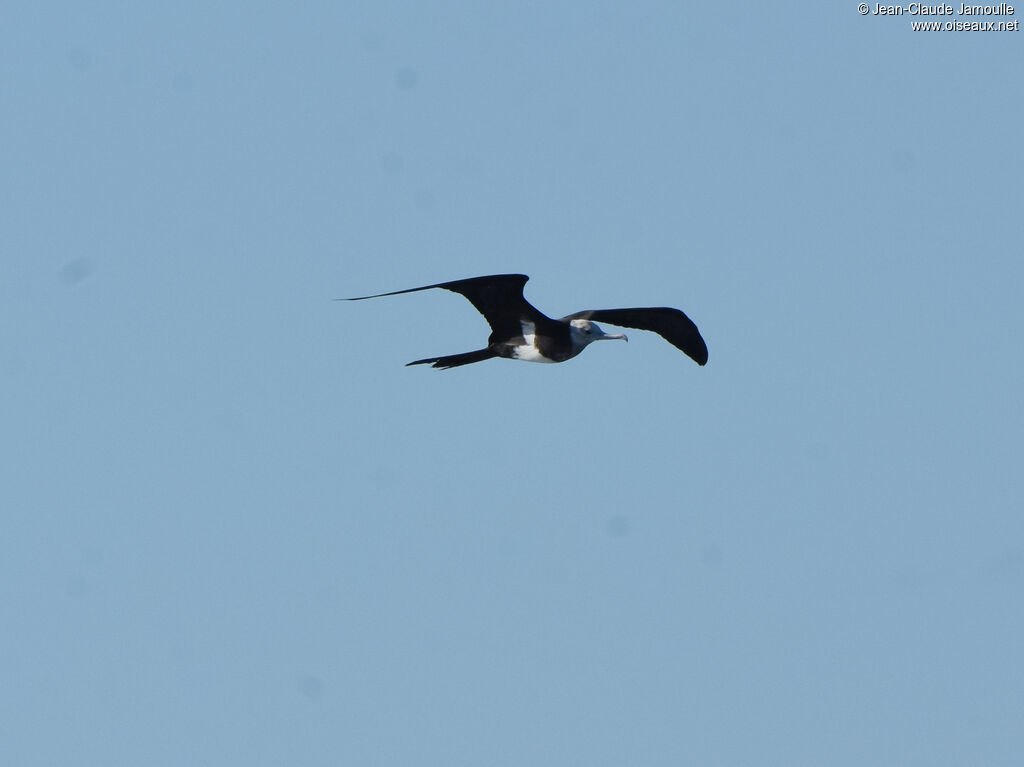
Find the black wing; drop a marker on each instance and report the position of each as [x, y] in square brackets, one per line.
[671, 324]
[498, 297]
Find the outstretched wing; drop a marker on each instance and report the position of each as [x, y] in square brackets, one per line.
[671, 324]
[498, 297]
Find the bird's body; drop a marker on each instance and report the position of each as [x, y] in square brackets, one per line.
[519, 331]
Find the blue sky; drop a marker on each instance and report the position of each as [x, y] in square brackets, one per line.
[237, 531]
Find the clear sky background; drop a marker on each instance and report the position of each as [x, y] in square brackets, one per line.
[235, 530]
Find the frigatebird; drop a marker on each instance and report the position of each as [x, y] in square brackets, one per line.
[519, 331]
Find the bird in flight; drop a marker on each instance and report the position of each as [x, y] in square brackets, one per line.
[521, 332]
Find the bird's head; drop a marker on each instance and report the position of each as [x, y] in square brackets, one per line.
[585, 332]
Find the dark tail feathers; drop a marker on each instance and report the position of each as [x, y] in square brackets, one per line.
[454, 360]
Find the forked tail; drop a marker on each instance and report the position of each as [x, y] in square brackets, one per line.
[454, 360]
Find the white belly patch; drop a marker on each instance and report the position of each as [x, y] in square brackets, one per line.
[528, 351]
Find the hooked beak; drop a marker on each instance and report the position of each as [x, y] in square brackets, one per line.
[614, 337]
